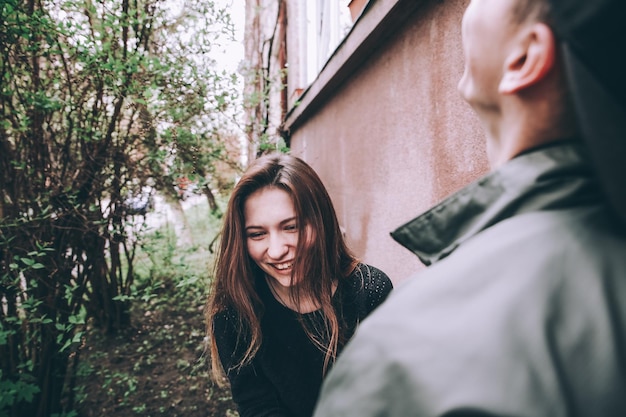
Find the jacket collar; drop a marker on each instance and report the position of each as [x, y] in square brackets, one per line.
[550, 177]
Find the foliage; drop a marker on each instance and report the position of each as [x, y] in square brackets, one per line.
[265, 74]
[159, 366]
[99, 101]
[260, 105]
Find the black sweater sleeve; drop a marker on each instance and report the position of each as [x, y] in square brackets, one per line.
[251, 391]
[376, 286]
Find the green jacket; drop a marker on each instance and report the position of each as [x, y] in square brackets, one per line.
[521, 313]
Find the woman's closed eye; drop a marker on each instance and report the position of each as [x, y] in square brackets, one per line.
[256, 235]
[291, 227]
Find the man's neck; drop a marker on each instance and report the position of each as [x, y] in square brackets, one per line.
[520, 127]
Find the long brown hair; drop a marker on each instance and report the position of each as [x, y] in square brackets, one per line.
[327, 257]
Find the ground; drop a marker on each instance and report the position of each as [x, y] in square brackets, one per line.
[158, 367]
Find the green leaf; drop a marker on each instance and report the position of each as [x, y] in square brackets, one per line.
[76, 320]
[27, 261]
[27, 392]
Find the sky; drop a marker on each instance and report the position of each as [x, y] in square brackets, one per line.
[232, 54]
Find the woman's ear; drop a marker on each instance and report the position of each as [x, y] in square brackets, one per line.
[530, 61]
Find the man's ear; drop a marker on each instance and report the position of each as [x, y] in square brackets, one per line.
[530, 61]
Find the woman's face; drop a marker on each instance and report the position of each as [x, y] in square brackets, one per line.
[272, 232]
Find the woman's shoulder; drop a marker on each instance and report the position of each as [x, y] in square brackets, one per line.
[370, 285]
[369, 277]
[365, 289]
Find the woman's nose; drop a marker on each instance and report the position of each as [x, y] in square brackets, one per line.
[277, 247]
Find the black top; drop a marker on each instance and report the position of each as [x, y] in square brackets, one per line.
[285, 377]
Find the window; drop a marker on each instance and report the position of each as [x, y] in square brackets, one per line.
[326, 24]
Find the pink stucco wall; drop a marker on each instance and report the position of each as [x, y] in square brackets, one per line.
[396, 137]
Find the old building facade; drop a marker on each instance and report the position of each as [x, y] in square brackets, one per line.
[370, 101]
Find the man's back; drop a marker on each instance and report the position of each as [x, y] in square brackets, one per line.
[526, 317]
[523, 311]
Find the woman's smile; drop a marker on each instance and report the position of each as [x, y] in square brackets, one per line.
[283, 267]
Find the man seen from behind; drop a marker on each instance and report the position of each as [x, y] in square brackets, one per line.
[522, 310]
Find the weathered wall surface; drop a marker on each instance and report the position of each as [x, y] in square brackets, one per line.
[396, 137]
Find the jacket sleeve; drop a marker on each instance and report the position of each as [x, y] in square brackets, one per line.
[251, 390]
[358, 385]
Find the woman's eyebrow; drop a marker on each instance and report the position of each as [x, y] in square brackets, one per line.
[253, 227]
[282, 222]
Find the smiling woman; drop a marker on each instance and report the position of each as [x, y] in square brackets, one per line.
[287, 293]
